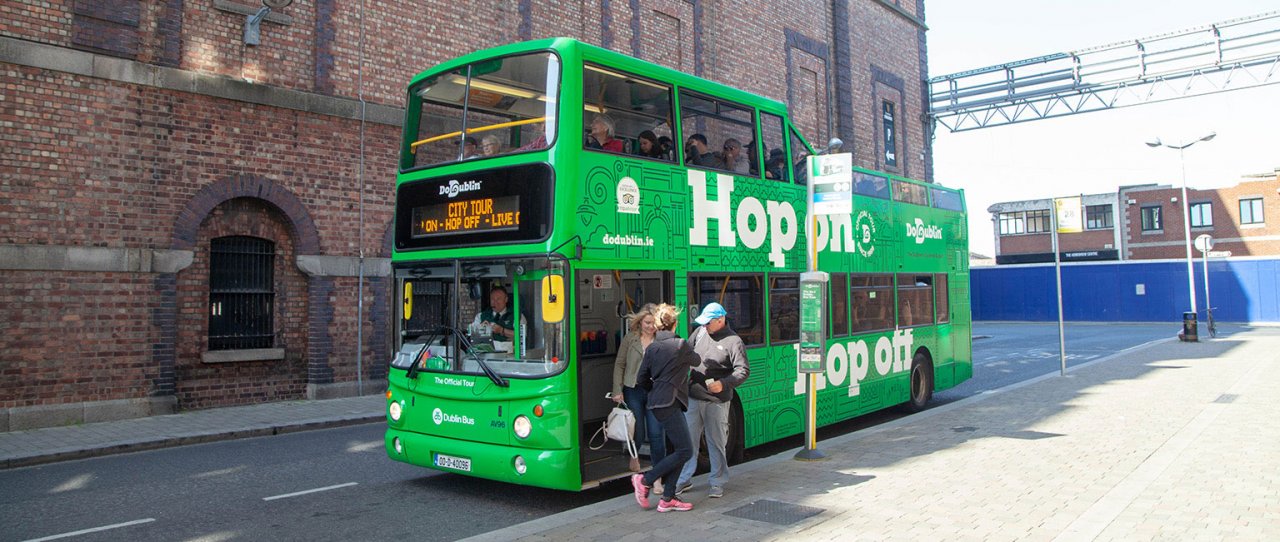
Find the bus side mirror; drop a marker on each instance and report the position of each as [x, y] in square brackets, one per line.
[553, 301]
[408, 299]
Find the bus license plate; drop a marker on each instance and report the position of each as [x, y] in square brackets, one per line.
[455, 463]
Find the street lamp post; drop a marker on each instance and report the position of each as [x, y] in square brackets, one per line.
[1186, 209]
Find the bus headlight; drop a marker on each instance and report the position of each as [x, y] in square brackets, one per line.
[522, 426]
[395, 410]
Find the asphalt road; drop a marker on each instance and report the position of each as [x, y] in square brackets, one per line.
[337, 484]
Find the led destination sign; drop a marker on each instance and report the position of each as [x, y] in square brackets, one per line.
[467, 216]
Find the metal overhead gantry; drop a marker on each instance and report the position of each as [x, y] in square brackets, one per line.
[1231, 55]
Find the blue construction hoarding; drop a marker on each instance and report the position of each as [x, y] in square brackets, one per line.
[1241, 290]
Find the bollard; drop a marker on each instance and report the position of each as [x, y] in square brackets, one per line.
[1190, 330]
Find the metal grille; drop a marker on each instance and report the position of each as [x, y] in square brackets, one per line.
[241, 293]
[430, 300]
[776, 512]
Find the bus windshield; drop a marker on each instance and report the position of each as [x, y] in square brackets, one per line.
[488, 108]
[471, 317]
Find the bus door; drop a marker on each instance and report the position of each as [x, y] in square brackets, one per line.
[604, 298]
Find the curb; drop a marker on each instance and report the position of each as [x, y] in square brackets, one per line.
[183, 440]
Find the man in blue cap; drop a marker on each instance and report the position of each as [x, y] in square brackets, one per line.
[723, 367]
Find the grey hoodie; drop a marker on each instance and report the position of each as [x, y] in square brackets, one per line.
[723, 357]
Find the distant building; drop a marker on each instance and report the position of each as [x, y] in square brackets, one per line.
[980, 260]
[1145, 222]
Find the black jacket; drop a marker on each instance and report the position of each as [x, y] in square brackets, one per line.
[664, 372]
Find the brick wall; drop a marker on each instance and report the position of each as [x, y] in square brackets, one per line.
[95, 158]
[73, 337]
[1228, 233]
[1041, 243]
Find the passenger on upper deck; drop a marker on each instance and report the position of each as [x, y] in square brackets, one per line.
[696, 153]
[649, 146]
[668, 147]
[470, 148]
[491, 145]
[773, 168]
[753, 160]
[600, 135]
[732, 159]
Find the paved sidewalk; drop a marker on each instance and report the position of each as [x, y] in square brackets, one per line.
[1171, 441]
[36, 446]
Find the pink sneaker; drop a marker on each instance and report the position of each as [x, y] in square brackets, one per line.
[642, 492]
[673, 505]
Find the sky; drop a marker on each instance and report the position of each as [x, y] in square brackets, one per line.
[1094, 152]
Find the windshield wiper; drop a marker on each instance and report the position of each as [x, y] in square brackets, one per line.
[462, 340]
[412, 371]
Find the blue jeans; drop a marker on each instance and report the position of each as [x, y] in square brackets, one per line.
[669, 468]
[709, 420]
[647, 426]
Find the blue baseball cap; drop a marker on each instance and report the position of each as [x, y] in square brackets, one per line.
[709, 313]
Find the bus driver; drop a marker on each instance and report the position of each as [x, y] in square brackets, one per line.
[497, 320]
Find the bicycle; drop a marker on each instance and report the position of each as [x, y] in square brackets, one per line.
[1213, 330]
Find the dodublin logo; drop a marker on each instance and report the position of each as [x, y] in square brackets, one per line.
[866, 227]
[454, 187]
[920, 232]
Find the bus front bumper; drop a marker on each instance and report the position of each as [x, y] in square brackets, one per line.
[556, 469]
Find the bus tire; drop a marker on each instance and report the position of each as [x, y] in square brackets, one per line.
[921, 383]
[735, 444]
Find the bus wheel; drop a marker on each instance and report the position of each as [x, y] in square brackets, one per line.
[734, 448]
[921, 383]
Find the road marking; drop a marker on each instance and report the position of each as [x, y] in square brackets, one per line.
[93, 530]
[316, 490]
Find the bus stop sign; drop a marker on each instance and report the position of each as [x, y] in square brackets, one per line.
[832, 176]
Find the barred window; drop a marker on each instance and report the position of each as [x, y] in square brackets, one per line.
[241, 293]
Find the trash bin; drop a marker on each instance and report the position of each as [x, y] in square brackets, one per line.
[1190, 330]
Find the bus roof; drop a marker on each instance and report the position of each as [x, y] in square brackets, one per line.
[574, 49]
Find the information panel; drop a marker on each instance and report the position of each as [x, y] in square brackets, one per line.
[466, 216]
[813, 295]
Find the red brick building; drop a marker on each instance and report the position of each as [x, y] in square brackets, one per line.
[1148, 224]
[162, 178]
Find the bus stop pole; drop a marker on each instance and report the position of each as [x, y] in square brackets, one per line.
[1057, 272]
[810, 451]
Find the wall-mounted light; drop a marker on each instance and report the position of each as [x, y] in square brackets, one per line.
[252, 31]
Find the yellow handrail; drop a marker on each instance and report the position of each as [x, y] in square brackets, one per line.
[413, 147]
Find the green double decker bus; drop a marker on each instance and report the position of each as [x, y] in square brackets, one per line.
[542, 177]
